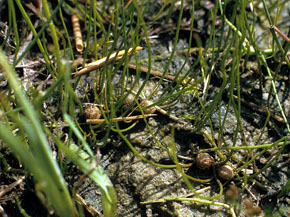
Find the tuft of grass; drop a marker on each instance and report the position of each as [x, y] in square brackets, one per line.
[37, 157]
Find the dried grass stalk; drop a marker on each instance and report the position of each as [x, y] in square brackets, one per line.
[99, 63]
[130, 118]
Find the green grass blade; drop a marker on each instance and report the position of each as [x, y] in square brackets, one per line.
[48, 175]
[89, 166]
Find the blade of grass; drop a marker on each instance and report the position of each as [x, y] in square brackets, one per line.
[48, 176]
[53, 32]
[15, 28]
[96, 173]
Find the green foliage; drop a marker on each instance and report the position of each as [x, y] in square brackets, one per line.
[38, 156]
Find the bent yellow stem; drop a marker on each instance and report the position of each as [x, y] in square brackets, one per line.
[98, 121]
[101, 62]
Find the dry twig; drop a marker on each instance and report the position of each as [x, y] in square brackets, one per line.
[101, 62]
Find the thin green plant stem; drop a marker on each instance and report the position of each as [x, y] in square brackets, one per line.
[78, 134]
[217, 98]
[238, 60]
[187, 85]
[196, 200]
[99, 20]
[126, 129]
[212, 141]
[95, 33]
[10, 23]
[213, 34]
[4, 163]
[235, 86]
[222, 7]
[264, 127]
[61, 36]
[238, 32]
[64, 68]
[278, 14]
[197, 180]
[285, 189]
[125, 18]
[274, 34]
[218, 48]
[37, 35]
[88, 32]
[149, 128]
[53, 32]
[247, 163]
[137, 153]
[284, 52]
[142, 23]
[274, 89]
[160, 11]
[245, 180]
[66, 33]
[20, 208]
[267, 13]
[128, 16]
[116, 108]
[170, 10]
[107, 75]
[251, 32]
[222, 123]
[261, 134]
[232, 26]
[268, 163]
[24, 14]
[48, 92]
[116, 16]
[15, 28]
[280, 142]
[178, 81]
[135, 41]
[173, 50]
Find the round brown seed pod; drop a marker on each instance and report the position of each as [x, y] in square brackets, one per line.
[232, 193]
[204, 161]
[249, 203]
[257, 210]
[92, 112]
[150, 110]
[226, 172]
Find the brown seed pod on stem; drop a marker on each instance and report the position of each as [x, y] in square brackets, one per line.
[226, 172]
[204, 161]
[92, 112]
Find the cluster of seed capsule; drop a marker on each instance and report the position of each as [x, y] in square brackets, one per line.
[93, 113]
[205, 161]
